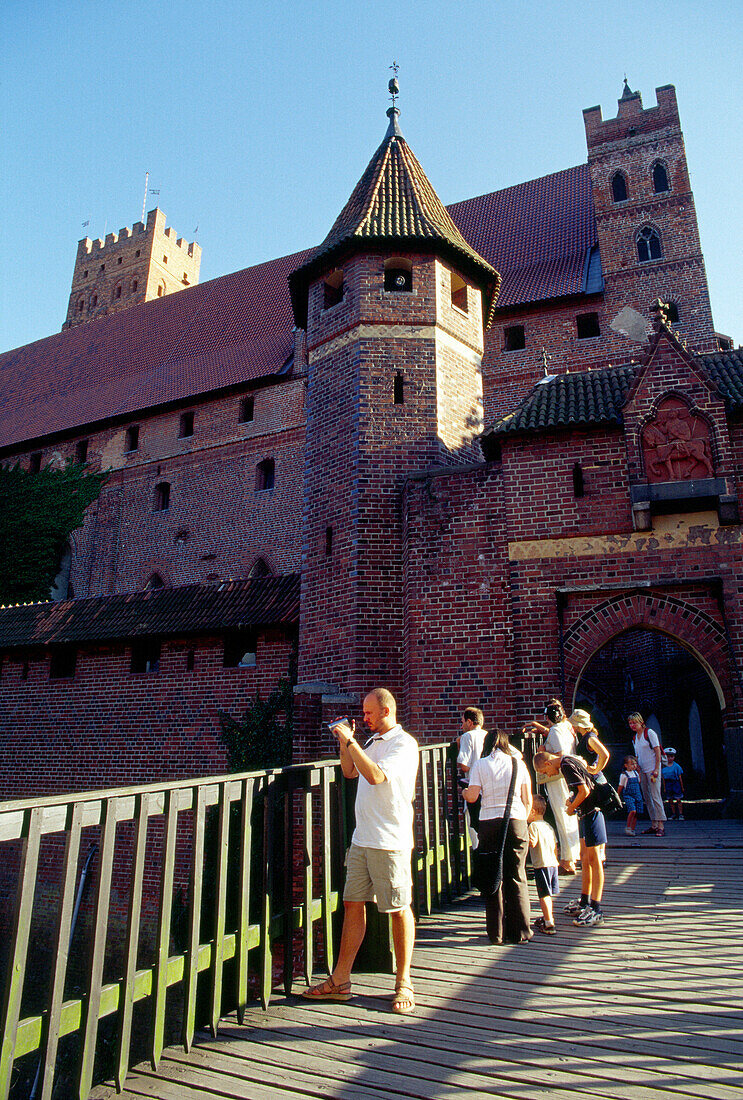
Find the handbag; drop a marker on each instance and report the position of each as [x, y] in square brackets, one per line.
[606, 798]
[487, 867]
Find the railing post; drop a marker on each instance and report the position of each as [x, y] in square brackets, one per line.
[17, 959]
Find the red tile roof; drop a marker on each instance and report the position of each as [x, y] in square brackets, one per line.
[190, 609]
[238, 328]
[538, 235]
[234, 329]
[393, 203]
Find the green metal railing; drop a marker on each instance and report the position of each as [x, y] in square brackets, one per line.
[264, 855]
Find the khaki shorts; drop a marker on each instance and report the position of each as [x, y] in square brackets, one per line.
[373, 874]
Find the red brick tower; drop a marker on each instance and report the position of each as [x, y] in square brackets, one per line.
[645, 216]
[394, 304]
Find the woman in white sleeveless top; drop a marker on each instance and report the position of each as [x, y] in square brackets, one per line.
[560, 739]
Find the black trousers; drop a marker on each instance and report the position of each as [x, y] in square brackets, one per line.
[507, 913]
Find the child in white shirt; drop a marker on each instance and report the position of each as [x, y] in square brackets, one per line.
[543, 847]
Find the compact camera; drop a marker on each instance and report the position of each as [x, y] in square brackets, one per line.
[345, 721]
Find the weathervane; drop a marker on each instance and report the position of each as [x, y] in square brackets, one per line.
[393, 85]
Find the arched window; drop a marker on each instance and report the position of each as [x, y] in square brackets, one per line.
[398, 276]
[648, 244]
[161, 290]
[117, 292]
[619, 187]
[660, 178]
[265, 473]
[162, 497]
[260, 569]
[80, 305]
[94, 301]
[153, 582]
[672, 313]
[135, 284]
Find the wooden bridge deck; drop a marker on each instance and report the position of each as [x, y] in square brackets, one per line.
[650, 1005]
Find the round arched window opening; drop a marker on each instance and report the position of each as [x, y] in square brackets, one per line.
[398, 275]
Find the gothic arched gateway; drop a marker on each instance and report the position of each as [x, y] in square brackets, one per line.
[650, 671]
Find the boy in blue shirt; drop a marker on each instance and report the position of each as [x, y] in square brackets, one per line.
[673, 785]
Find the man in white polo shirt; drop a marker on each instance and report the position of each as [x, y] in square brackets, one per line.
[378, 861]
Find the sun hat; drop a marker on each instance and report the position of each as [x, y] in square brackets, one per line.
[581, 720]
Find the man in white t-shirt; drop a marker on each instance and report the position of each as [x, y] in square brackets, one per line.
[470, 751]
[378, 863]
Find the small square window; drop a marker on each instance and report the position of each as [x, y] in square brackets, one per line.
[587, 325]
[514, 338]
[162, 497]
[119, 260]
[131, 442]
[333, 290]
[34, 463]
[247, 410]
[81, 450]
[240, 651]
[186, 425]
[146, 656]
[62, 661]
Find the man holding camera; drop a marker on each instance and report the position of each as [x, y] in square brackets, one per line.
[378, 861]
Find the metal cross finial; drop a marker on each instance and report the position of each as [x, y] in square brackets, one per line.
[393, 85]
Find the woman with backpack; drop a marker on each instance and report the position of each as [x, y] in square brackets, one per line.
[647, 752]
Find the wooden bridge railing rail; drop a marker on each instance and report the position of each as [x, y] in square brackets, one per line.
[264, 854]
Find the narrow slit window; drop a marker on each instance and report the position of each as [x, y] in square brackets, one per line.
[265, 475]
[247, 410]
[34, 463]
[81, 451]
[672, 313]
[333, 290]
[399, 388]
[131, 441]
[190, 660]
[579, 485]
[162, 497]
[328, 542]
[185, 428]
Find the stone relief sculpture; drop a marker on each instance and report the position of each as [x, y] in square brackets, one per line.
[676, 444]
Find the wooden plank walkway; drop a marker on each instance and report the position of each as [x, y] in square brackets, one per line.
[648, 1006]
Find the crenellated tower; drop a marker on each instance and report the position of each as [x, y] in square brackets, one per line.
[645, 217]
[394, 303]
[135, 265]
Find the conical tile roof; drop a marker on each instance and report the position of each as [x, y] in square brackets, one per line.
[393, 204]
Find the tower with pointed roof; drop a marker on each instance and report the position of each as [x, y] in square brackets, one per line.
[394, 303]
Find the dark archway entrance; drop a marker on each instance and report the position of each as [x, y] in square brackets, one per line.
[648, 671]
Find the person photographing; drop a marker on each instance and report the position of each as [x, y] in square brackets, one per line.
[378, 862]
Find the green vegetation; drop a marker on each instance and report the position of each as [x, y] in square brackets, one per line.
[262, 736]
[38, 513]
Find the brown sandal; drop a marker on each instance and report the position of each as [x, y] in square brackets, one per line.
[328, 991]
[404, 1002]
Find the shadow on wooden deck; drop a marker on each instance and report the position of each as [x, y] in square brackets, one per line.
[647, 1006]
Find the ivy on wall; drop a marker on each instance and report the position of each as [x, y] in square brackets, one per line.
[262, 736]
[38, 513]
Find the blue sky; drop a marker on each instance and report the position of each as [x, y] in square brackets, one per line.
[255, 122]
